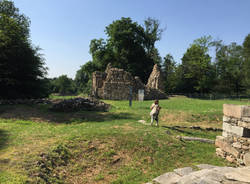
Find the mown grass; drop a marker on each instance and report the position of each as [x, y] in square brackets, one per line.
[39, 146]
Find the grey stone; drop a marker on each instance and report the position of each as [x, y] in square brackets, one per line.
[206, 166]
[205, 176]
[237, 145]
[239, 174]
[167, 178]
[229, 129]
[216, 175]
[226, 118]
[183, 171]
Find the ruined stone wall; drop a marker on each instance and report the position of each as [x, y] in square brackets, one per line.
[155, 80]
[234, 144]
[115, 84]
[97, 82]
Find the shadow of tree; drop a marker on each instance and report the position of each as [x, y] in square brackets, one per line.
[42, 114]
[178, 130]
[3, 139]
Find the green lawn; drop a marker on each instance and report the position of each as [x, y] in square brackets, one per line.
[39, 146]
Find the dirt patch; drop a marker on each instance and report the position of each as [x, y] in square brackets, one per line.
[166, 116]
[188, 119]
[124, 127]
[96, 162]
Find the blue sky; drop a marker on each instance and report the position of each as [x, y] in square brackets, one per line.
[64, 28]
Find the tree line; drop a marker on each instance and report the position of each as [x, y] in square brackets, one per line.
[129, 46]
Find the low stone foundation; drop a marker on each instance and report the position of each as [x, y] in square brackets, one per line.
[234, 144]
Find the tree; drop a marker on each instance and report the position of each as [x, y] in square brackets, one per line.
[153, 34]
[169, 71]
[246, 46]
[205, 42]
[83, 78]
[230, 65]
[197, 71]
[129, 46]
[22, 70]
[63, 85]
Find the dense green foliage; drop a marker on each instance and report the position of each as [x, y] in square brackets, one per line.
[129, 46]
[63, 85]
[22, 67]
[197, 73]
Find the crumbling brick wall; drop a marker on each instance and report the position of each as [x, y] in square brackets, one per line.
[234, 144]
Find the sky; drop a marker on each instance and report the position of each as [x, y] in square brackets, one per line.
[64, 28]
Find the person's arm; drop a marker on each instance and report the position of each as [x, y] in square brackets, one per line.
[152, 106]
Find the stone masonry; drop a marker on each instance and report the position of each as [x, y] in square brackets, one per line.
[206, 174]
[234, 144]
[115, 84]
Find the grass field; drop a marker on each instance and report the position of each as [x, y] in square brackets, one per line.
[39, 146]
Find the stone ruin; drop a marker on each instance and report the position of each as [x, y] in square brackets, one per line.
[234, 144]
[115, 84]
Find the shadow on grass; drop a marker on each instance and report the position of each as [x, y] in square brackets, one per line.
[3, 139]
[178, 130]
[38, 113]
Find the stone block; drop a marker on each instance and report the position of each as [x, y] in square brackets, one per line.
[207, 166]
[170, 178]
[246, 119]
[236, 111]
[183, 171]
[230, 159]
[244, 124]
[237, 145]
[229, 129]
[225, 146]
[239, 175]
[246, 159]
[226, 118]
[220, 153]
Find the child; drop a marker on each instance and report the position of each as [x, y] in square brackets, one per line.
[155, 110]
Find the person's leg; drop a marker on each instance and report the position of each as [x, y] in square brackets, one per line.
[156, 119]
[152, 119]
